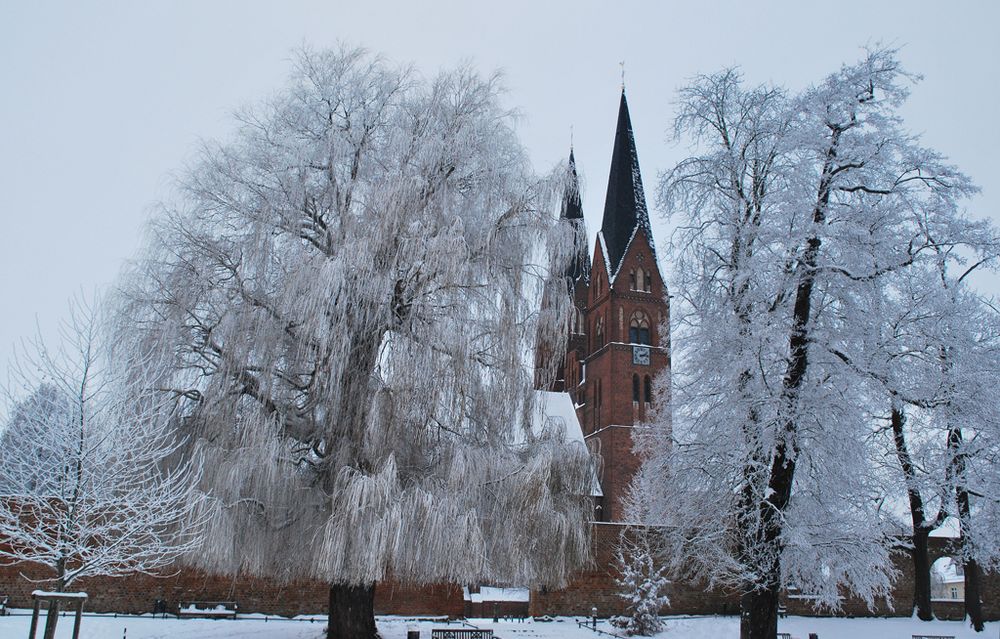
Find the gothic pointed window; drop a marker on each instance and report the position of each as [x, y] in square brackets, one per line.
[649, 390]
[599, 332]
[638, 328]
[631, 280]
[646, 283]
[635, 389]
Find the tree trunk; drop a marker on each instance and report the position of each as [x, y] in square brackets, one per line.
[973, 600]
[921, 528]
[759, 614]
[352, 612]
[921, 575]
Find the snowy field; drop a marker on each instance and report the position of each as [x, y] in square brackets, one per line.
[109, 627]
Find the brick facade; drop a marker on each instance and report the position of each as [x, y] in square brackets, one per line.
[611, 390]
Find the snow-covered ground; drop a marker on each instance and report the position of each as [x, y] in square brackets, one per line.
[253, 626]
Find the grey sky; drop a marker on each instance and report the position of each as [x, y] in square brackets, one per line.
[102, 102]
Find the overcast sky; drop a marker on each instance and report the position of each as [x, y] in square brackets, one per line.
[104, 102]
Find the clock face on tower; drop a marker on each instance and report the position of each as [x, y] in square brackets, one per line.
[640, 355]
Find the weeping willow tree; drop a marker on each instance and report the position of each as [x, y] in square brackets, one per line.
[347, 291]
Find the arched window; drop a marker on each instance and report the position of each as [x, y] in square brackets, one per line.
[649, 390]
[635, 389]
[631, 279]
[646, 283]
[576, 327]
[638, 328]
[599, 332]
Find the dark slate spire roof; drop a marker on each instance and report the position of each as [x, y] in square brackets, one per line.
[572, 210]
[625, 211]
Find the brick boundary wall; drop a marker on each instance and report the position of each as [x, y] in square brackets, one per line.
[594, 586]
[136, 594]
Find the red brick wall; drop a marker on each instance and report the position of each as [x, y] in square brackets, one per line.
[594, 586]
[136, 593]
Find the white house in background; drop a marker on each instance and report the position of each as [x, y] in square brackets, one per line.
[947, 580]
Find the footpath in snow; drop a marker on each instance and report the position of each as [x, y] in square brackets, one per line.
[255, 626]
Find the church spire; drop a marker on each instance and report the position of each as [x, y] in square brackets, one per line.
[571, 207]
[625, 211]
[572, 211]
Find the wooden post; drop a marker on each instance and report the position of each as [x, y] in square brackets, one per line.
[76, 622]
[55, 599]
[51, 619]
[34, 617]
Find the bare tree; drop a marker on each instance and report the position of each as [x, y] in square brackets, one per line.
[87, 479]
[791, 207]
[349, 293]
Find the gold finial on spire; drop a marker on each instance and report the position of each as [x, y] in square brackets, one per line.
[622, 65]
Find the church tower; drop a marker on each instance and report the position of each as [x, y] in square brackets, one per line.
[621, 346]
[572, 283]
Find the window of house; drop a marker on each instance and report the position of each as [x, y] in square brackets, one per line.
[638, 328]
[635, 389]
[954, 592]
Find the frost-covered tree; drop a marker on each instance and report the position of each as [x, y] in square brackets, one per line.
[789, 208]
[962, 416]
[930, 353]
[90, 484]
[349, 289]
[642, 582]
[642, 578]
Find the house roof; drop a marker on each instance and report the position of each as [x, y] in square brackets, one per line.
[559, 407]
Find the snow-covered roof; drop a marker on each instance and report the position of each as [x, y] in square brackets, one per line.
[490, 593]
[949, 529]
[559, 406]
[948, 571]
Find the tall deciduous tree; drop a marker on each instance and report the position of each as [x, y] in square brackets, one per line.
[349, 294]
[790, 208]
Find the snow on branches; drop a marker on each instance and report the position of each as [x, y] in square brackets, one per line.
[642, 581]
[794, 210]
[91, 482]
[348, 290]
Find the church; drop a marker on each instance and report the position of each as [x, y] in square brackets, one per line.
[619, 338]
